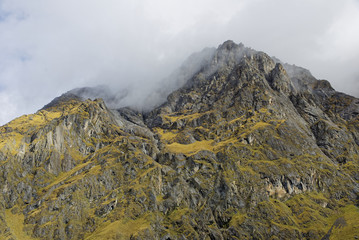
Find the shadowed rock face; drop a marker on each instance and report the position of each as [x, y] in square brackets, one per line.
[246, 148]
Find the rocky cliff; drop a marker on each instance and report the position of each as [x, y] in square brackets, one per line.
[247, 148]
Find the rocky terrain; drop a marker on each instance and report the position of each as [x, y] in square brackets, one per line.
[247, 148]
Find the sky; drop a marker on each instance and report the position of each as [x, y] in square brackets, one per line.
[50, 47]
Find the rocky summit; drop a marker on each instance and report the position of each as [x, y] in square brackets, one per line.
[247, 147]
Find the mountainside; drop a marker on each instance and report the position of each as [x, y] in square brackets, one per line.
[247, 148]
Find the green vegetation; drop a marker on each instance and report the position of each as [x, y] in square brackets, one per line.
[230, 157]
[191, 148]
[15, 222]
[121, 229]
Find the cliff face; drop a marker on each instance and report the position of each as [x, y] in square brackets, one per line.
[247, 148]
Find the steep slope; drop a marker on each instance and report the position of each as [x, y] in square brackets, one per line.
[248, 148]
[282, 132]
[59, 167]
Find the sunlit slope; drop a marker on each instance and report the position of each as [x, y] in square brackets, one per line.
[55, 152]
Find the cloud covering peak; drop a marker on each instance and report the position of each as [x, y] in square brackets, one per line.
[50, 47]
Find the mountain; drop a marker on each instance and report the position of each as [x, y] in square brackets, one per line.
[247, 147]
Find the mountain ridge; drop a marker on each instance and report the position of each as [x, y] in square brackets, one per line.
[246, 148]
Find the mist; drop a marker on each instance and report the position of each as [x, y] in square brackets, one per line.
[50, 47]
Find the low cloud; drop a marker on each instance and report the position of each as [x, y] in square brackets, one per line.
[50, 47]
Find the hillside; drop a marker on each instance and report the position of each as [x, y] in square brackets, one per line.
[247, 148]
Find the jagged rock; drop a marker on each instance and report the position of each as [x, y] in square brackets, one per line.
[248, 147]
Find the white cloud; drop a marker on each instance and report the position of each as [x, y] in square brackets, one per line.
[49, 47]
[8, 108]
[341, 40]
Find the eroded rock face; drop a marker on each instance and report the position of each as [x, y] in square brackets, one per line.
[248, 148]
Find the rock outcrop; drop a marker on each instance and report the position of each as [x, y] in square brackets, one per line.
[247, 148]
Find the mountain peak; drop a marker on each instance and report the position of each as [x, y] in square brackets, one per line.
[62, 100]
[246, 147]
[230, 45]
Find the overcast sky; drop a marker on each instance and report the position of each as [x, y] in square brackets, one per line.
[48, 47]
